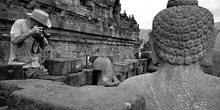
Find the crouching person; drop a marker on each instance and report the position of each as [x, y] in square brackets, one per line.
[27, 40]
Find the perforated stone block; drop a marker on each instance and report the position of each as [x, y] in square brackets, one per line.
[63, 66]
[77, 79]
[8, 72]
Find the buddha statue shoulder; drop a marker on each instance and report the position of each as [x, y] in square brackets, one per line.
[180, 40]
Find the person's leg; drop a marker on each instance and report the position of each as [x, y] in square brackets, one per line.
[28, 72]
[34, 72]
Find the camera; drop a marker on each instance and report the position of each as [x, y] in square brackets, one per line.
[39, 37]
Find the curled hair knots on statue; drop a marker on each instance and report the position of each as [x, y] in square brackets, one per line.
[172, 3]
[180, 33]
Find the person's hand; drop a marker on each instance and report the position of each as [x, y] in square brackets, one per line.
[36, 30]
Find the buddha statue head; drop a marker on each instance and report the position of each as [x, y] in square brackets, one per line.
[180, 33]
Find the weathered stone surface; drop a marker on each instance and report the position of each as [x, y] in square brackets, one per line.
[63, 66]
[8, 72]
[120, 67]
[89, 76]
[77, 79]
[43, 94]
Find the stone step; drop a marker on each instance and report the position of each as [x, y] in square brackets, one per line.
[8, 72]
[63, 66]
[89, 76]
[77, 79]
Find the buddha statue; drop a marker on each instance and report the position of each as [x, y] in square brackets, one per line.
[179, 40]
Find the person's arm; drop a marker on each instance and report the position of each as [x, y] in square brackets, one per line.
[22, 37]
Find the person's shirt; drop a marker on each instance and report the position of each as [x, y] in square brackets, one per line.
[21, 53]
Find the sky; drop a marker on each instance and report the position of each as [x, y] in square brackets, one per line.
[145, 10]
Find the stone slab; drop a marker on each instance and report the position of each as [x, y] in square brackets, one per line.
[89, 76]
[35, 94]
[120, 67]
[63, 66]
[77, 79]
[8, 72]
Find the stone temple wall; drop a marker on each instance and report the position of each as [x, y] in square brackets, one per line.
[80, 28]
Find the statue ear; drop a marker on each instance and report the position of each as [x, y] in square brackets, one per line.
[154, 56]
[207, 59]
